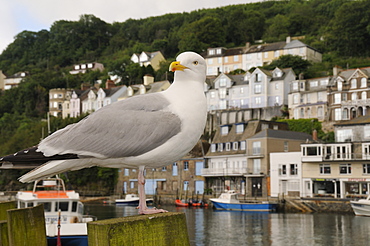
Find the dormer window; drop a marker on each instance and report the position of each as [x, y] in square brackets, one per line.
[77, 67]
[353, 83]
[218, 51]
[220, 147]
[224, 130]
[239, 128]
[90, 65]
[227, 146]
[211, 52]
[223, 81]
[83, 66]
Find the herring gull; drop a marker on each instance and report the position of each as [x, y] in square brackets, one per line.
[145, 131]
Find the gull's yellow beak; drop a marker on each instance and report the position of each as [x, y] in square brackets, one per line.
[176, 66]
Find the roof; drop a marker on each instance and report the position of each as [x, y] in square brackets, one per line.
[362, 120]
[269, 133]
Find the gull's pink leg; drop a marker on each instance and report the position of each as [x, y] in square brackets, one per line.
[143, 209]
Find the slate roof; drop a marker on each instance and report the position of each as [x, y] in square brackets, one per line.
[362, 120]
[282, 134]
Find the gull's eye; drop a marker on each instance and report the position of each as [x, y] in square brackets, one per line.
[195, 62]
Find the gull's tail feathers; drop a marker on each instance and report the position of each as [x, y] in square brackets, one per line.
[52, 168]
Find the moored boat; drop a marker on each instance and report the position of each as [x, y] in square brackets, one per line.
[63, 211]
[181, 203]
[361, 207]
[229, 201]
[132, 200]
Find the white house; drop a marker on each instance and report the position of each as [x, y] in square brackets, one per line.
[286, 168]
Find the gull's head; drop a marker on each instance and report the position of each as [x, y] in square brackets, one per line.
[190, 65]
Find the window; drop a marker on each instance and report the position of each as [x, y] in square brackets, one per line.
[257, 88]
[219, 60]
[325, 169]
[174, 169]
[127, 171]
[353, 83]
[337, 98]
[337, 114]
[366, 168]
[236, 58]
[258, 77]
[354, 96]
[295, 86]
[47, 206]
[239, 128]
[210, 61]
[227, 146]
[242, 145]
[220, 147]
[344, 135]
[63, 206]
[282, 169]
[363, 82]
[367, 132]
[224, 130]
[186, 184]
[293, 169]
[186, 165]
[256, 148]
[285, 146]
[339, 85]
[226, 59]
[213, 148]
[320, 112]
[223, 81]
[257, 100]
[164, 169]
[363, 95]
[256, 166]
[345, 168]
[314, 83]
[276, 53]
[295, 99]
[235, 145]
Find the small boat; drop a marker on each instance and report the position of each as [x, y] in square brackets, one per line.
[132, 200]
[229, 201]
[361, 207]
[64, 217]
[197, 203]
[181, 203]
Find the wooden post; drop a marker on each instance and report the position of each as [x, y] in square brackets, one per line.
[26, 226]
[154, 229]
[4, 206]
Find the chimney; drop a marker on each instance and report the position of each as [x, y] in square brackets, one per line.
[336, 70]
[314, 135]
[85, 86]
[148, 79]
[247, 45]
[109, 84]
[288, 39]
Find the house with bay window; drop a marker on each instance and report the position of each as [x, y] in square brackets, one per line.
[348, 94]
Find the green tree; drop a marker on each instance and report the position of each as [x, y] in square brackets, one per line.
[297, 63]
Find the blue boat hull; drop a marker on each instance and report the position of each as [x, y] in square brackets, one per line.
[68, 241]
[262, 207]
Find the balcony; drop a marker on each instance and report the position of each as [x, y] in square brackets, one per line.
[357, 102]
[255, 153]
[337, 157]
[209, 172]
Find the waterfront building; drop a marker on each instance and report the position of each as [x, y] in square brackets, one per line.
[239, 159]
[340, 169]
[286, 174]
[181, 179]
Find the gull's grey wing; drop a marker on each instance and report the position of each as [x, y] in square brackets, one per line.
[125, 128]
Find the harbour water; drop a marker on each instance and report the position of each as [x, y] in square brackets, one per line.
[210, 227]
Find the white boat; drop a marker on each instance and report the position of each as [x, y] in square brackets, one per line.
[131, 199]
[361, 207]
[229, 201]
[61, 207]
